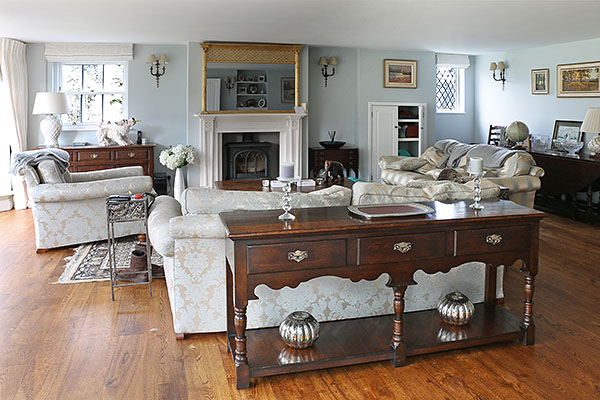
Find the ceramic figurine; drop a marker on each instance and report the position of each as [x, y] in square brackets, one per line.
[333, 171]
[115, 134]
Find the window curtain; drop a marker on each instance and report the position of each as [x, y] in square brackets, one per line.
[452, 61]
[13, 88]
[88, 52]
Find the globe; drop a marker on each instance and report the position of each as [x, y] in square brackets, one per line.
[517, 131]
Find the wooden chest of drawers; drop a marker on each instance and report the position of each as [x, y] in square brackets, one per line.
[93, 158]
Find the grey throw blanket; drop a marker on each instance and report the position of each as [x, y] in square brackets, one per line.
[454, 148]
[34, 157]
[493, 156]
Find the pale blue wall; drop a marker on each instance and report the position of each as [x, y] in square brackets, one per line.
[516, 102]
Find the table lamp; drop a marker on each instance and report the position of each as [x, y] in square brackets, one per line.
[50, 103]
[591, 124]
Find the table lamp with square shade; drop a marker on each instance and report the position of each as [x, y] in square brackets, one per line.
[591, 124]
[50, 103]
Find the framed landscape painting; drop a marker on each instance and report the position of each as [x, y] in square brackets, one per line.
[288, 90]
[578, 80]
[400, 74]
[539, 81]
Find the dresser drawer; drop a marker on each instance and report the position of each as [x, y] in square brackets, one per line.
[86, 156]
[491, 240]
[134, 154]
[390, 249]
[296, 256]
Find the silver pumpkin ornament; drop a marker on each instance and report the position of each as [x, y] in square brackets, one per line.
[455, 308]
[299, 330]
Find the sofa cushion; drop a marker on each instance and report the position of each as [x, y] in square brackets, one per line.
[163, 209]
[392, 177]
[202, 200]
[435, 159]
[402, 163]
[49, 173]
[517, 164]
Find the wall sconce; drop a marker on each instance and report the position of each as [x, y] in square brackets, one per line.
[157, 67]
[325, 67]
[229, 83]
[501, 67]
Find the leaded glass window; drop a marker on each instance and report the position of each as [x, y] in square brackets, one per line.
[446, 89]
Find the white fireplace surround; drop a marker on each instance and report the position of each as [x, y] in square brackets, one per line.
[212, 126]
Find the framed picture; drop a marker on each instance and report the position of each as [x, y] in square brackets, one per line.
[400, 74]
[539, 81]
[566, 130]
[578, 80]
[288, 90]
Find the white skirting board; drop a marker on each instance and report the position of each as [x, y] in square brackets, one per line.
[6, 202]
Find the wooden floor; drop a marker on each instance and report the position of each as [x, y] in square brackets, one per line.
[72, 342]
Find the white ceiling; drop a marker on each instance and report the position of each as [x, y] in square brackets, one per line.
[469, 27]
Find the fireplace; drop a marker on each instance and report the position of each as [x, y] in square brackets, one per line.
[247, 159]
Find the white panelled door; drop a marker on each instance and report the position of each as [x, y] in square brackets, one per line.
[213, 94]
[384, 137]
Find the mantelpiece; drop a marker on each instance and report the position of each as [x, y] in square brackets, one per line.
[213, 125]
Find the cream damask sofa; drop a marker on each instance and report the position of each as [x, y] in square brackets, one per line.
[70, 208]
[193, 242]
[514, 170]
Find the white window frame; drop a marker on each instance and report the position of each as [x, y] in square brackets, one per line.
[460, 93]
[56, 80]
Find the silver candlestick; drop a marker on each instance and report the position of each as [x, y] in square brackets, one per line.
[287, 188]
[476, 193]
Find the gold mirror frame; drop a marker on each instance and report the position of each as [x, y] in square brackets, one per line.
[250, 54]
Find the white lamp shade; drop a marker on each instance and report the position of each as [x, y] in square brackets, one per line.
[591, 122]
[151, 59]
[493, 66]
[163, 59]
[322, 61]
[333, 61]
[50, 103]
[501, 65]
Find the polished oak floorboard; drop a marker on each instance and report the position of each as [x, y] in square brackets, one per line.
[73, 342]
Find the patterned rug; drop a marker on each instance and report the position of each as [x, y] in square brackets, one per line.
[89, 263]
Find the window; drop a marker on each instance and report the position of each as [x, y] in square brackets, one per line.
[449, 90]
[96, 92]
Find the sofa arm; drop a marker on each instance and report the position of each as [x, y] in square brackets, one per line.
[163, 209]
[55, 192]
[107, 174]
[536, 171]
[205, 226]
[518, 184]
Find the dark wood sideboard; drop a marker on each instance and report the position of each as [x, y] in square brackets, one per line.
[566, 176]
[331, 242]
[317, 156]
[93, 158]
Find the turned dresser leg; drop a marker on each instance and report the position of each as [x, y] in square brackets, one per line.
[398, 345]
[527, 321]
[242, 371]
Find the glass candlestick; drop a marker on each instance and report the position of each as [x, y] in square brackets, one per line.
[476, 193]
[287, 187]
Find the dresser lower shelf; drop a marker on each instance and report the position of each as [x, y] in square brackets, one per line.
[363, 340]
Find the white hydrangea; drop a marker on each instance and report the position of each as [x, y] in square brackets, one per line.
[178, 156]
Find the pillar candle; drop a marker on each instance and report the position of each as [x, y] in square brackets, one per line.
[476, 165]
[286, 170]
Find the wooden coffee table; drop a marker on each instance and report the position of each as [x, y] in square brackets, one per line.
[255, 185]
[332, 242]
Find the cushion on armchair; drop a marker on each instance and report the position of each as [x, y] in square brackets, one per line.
[49, 172]
[401, 163]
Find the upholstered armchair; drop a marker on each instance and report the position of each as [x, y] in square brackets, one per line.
[70, 208]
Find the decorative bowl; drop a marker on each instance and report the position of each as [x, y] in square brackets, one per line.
[456, 309]
[331, 145]
[299, 330]
[571, 146]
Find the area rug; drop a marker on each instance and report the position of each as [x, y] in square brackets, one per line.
[89, 263]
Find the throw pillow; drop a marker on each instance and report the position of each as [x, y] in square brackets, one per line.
[406, 164]
[435, 159]
[49, 173]
[449, 174]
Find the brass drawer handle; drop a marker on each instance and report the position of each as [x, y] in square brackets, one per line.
[94, 155]
[131, 154]
[297, 255]
[403, 247]
[493, 239]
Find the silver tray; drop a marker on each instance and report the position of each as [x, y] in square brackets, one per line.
[390, 210]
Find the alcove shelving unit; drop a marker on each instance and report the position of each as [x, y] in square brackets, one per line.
[251, 92]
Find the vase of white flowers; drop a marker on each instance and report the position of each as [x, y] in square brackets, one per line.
[175, 158]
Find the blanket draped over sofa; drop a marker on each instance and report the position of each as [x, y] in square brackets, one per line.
[193, 242]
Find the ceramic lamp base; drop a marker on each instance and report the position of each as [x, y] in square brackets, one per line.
[594, 145]
[51, 128]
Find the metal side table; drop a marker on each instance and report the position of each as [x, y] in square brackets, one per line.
[127, 209]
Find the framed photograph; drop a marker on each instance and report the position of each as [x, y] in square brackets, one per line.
[578, 80]
[400, 74]
[539, 81]
[242, 90]
[288, 90]
[566, 130]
